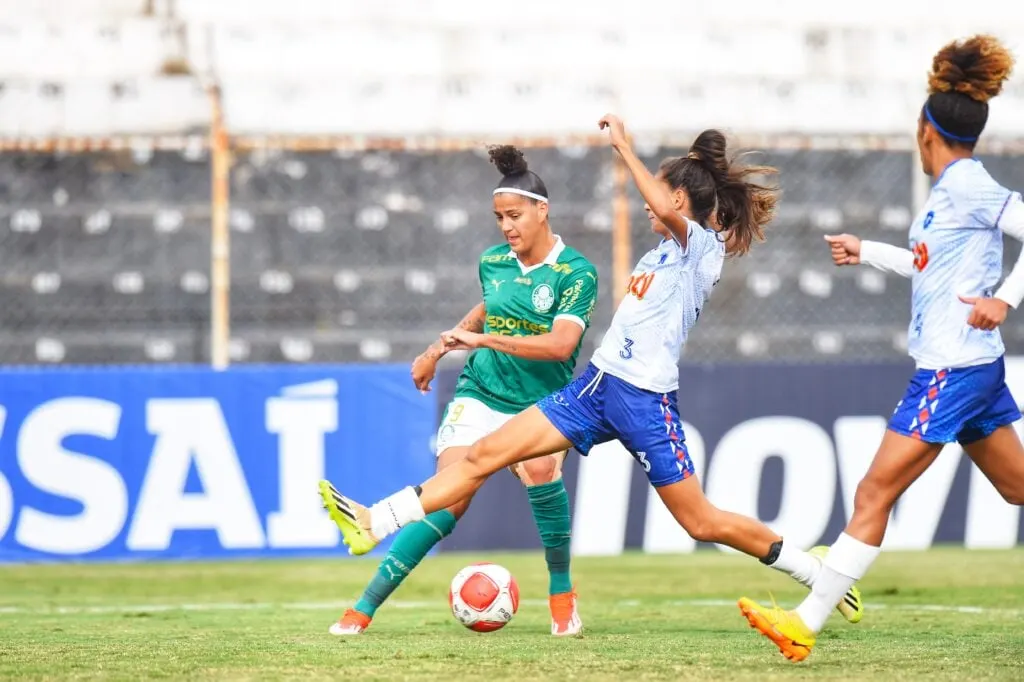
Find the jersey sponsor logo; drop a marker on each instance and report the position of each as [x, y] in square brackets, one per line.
[562, 268]
[571, 295]
[497, 258]
[639, 284]
[928, 218]
[920, 251]
[505, 326]
[523, 280]
[543, 298]
[496, 283]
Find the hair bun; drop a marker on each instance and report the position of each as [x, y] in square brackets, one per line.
[508, 160]
[975, 67]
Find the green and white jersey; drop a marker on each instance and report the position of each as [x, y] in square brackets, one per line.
[525, 301]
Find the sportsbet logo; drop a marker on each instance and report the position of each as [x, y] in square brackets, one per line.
[509, 326]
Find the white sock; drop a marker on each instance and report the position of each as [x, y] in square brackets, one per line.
[393, 512]
[847, 561]
[800, 565]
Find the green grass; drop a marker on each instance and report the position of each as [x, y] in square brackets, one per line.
[647, 618]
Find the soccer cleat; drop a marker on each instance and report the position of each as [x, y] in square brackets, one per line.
[565, 619]
[851, 606]
[352, 623]
[794, 639]
[352, 519]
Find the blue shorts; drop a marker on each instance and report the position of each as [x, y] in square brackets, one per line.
[964, 404]
[597, 408]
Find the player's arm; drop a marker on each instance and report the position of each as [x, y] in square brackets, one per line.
[850, 250]
[654, 193]
[555, 346]
[425, 365]
[989, 313]
[472, 322]
[572, 317]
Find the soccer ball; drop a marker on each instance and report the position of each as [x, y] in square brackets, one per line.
[484, 597]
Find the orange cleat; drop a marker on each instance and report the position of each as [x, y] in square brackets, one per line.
[785, 628]
[565, 619]
[352, 623]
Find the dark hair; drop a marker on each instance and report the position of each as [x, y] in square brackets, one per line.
[515, 174]
[965, 75]
[720, 188]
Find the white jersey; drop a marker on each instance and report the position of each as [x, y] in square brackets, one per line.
[667, 290]
[958, 250]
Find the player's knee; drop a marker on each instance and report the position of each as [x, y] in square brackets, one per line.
[540, 470]
[701, 525]
[480, 458]
[871, 497]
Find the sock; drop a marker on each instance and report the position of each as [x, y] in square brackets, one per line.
[393, 512]
[550, 504]
[408, 549]
[847, 562]
[801, 566]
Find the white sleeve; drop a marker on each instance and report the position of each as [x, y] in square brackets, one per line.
[887, 258]
[1011, 222]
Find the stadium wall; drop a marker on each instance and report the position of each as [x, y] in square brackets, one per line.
[145, 463]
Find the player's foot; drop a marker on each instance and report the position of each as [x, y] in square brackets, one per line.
[565, 619]
[352, 623]
[851, 606]
[794, 639]
[352, 519]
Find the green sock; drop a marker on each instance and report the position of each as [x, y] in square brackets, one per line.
[410, 546]
[550, 503]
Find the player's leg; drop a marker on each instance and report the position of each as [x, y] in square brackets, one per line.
[531, 433]
[464, 422]
[549, 501]
[1000, 456]
[993, 444]
[932, 412]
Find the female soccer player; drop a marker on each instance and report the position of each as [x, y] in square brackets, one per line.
[958, 393]
[629, 390]
[538, 298]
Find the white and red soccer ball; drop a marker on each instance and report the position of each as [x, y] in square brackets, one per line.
[484, 597]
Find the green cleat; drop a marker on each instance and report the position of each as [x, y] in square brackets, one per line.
[352, 519]
[851, 606]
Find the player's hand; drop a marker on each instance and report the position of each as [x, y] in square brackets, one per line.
[461, 339]
[424, 367]
[616, 129]
[987, 313]
[845, 248]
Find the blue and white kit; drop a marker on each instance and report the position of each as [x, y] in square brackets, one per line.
[959, 392]
[628, 392]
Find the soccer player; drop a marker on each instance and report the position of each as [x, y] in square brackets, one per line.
[629, 390]
[958, 392]
[538, 297]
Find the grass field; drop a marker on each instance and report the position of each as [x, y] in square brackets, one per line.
[944, 614]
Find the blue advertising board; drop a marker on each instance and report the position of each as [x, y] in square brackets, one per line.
[138, 463]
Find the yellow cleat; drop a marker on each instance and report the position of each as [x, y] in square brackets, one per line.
[851, 606]
[352, 519]
[794, 639]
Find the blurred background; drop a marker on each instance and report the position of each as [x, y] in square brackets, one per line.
[242, 182]
[333, 153]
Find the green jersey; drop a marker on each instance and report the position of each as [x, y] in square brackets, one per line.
[526, 301]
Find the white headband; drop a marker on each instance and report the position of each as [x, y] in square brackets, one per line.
[521, 192]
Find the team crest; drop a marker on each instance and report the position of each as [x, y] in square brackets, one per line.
[543, 298]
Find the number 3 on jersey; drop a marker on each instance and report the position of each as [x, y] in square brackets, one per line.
[627, 350]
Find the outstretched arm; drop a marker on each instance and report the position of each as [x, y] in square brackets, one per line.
[848, 249]
[654, 193]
